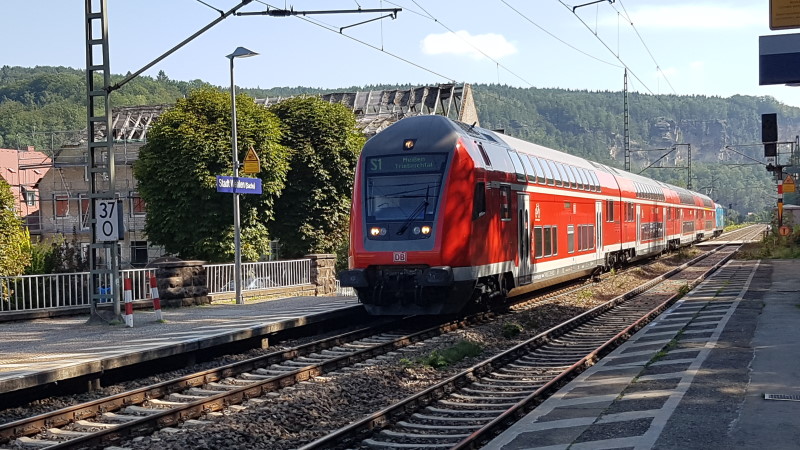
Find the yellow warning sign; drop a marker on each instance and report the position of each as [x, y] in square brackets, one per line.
[784, 14]
[788, 184]
[251, 162]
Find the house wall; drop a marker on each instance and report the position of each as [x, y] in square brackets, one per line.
[22, 170]
[64, 193]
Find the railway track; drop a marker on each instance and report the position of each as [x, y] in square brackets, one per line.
[185, 400]
[471, 407]
[142, 411]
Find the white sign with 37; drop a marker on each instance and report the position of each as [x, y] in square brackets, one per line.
[107, 213]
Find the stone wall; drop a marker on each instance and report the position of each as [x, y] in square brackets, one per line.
[323, 273]
[182, 283]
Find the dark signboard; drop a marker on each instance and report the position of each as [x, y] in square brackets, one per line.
[779, 59]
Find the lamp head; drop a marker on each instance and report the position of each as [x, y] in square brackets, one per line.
[241, 52]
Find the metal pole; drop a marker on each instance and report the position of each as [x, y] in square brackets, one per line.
[237, 262]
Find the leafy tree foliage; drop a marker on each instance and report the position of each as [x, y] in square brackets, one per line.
[313, 210]
[188, 146]
[37, 105]
[15, 241]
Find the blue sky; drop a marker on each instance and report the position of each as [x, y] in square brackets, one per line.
[683, 47]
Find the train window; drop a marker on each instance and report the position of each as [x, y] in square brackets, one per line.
[505, 202]
[547, 173]
[539, 171]
[517, 163]
[479, 201]
[554, 231]
[570, 238]
[548, 242]
[629, 212]
[528, 168]
[571, 176]
[595, 181]
[585, 237]
[578, 180]
[609, 210]
[563, 172]
[484, 155]
[584, 177]
[537, 241]
[556, 176]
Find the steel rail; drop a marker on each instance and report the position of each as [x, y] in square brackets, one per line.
[351, 434]
[179, 413]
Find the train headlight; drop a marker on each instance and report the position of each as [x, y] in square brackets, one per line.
[426, 229]
[416, 230]
[377, 231]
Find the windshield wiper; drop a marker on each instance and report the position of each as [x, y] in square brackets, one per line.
[421, 207]
[411, 217]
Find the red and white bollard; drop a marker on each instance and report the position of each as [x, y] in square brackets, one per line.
[154, 296]
[128, 297]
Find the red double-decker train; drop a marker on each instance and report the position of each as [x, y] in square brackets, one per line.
[447, 214]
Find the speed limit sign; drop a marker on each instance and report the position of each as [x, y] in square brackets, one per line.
[108, 220]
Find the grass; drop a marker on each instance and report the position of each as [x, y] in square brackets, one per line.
[442, 358]
[667, 348]
[511, 330]
[773, 246]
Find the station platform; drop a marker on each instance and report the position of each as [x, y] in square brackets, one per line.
[719, 370]
[43, 351]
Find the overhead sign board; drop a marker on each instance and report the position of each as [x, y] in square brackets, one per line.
[238, 185]
[779, 59]
[252, 164]
[784, 14]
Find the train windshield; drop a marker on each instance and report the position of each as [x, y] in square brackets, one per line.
[403, 188]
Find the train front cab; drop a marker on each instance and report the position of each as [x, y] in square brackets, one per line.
[408, 220]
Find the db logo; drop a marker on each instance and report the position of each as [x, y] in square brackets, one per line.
[399, 257]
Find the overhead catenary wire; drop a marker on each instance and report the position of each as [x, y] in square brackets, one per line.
[429, 16]
[558, 38]
[630, 22]
[336, 30]
[632, 72]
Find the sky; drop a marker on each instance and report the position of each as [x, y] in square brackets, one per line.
[683, 47]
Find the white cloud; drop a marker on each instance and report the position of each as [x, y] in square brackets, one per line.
[458, 43]
[697, 66]
[696, 16]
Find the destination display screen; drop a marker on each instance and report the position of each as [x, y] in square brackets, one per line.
[406, 164]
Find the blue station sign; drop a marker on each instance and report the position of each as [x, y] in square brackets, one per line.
[238, 185]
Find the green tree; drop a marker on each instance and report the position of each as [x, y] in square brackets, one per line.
[187, 147]
[314, 208]
[15, 241]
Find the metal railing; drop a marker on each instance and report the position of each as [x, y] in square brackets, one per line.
[344, 291]
[63, 290]
[258, 275]
[60, 290]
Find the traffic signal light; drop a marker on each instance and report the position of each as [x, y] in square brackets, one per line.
[769, 134]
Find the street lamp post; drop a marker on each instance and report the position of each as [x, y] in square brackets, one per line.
[240, 52]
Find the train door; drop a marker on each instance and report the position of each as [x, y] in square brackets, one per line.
[598, 220]
[638, 227]
[524, 239]
[664, 229]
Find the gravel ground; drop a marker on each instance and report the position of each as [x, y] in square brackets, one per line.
[299, 414]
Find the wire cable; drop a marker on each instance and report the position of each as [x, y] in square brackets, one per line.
[558, 38]
[336, 30]
[630, 22]
[610, 50]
